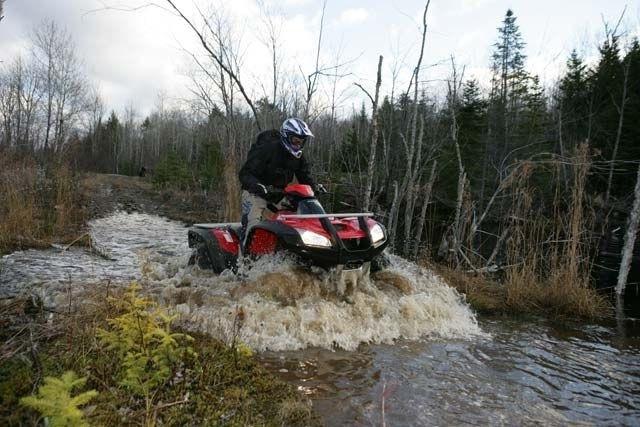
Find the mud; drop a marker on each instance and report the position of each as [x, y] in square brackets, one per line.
[106, 193]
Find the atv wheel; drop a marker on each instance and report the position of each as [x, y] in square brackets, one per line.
[380, 262]
[201, 257]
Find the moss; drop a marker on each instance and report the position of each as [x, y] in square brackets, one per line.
[16, 379]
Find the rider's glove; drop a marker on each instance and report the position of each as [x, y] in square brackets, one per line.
[320, 189]
[259, 190]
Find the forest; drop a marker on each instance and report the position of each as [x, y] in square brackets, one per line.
[512, 175]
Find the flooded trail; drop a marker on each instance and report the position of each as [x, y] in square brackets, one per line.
[408, 351]
[523, 373]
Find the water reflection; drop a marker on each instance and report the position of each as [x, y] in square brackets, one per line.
[527, 373]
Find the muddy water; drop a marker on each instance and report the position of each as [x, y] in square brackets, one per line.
[408, 351]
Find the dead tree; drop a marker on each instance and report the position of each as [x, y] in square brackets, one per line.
[271, 39]
[426, 190]
[629, 238]
[412, 192]
[311, 81]
[374, 135]
[454, 85]
[219, 60]
[222, 77]
[407, 188]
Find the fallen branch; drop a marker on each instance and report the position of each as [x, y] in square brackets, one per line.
[75, 241]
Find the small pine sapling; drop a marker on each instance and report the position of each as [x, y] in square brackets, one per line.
[54, 400]
[141, 337]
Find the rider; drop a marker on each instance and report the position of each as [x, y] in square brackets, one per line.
[273, 160]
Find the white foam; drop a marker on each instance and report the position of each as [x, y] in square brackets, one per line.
[286, 309]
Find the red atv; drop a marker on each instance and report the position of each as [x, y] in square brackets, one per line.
[348, 241]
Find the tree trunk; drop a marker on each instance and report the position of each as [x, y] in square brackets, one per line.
[393, 214]
[425, 205]
[411, 191]
[374, 139]
[629, 239]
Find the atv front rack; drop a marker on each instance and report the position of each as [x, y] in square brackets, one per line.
[218, 225]
[318, 216]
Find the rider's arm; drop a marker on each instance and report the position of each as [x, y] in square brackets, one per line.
[303, 174]
[253, 167]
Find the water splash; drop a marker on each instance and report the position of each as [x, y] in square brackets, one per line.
[287, 308]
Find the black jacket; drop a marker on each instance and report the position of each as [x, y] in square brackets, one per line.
[269, 163]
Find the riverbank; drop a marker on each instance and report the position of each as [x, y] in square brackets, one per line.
[138, 367]
[39, 204]
[556, 297]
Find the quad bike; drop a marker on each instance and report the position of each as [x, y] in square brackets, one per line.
[345, 242]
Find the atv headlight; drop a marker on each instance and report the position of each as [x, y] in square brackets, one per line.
[310, 238]
[377, 234]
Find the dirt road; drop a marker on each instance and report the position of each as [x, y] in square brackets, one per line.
[105, 193]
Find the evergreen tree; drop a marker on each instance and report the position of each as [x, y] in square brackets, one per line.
[508, 90]
[112, 138]
[573, 101]
[509, 75]
[535, 118]
[472, 133]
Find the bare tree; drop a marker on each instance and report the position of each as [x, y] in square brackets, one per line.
[311, 81]
[454, 85]
[216, 56]
[629, 239]
[64, 85]
[412, 146]
[273, 26]
[427, 191]
[374, 134]
[20, 94]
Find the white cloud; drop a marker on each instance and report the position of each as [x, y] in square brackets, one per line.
[134, 56]
[353, 16]
[471, 5]
[296, 2]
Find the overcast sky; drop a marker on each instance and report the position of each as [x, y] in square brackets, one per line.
[133, 56]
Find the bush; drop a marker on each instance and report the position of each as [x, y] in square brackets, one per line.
[172, 171]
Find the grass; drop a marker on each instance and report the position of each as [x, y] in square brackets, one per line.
[217, 384]
[526, 294]
[546, 255]
[37, 204]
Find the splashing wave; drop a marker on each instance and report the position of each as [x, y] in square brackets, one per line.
[273, 304]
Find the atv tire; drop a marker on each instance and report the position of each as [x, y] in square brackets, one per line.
[380, 262]
[200, 256]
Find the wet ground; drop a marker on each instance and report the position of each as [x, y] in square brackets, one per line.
[106, 193]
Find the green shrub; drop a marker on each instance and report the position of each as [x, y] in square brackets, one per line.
[54, 400]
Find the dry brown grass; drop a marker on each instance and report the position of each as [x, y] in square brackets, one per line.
[526, 294]
[483, 294]
[548, 265]
[36, 206]
[550, 257]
